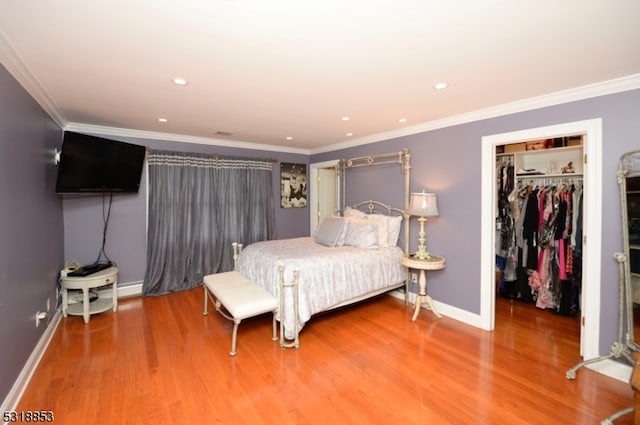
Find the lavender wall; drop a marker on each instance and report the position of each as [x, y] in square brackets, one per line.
[30, 225]
[126, 240]
[447, 162]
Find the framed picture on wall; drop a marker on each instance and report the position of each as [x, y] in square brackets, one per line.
[293, 185]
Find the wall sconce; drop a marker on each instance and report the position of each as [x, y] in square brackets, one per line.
[423, 205]
[56, 156]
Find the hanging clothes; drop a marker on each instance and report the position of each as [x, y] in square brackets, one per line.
[537, 252]
[505, 229]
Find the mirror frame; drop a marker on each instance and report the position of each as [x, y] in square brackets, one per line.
[629, 167]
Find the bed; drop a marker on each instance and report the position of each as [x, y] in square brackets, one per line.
[351, 257]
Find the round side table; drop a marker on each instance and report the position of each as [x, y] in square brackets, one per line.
[434, 262]
[85, 309]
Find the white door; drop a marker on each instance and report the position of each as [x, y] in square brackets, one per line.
[323, 192]
[327, 193]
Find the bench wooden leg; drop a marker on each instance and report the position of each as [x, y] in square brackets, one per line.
[234, 337]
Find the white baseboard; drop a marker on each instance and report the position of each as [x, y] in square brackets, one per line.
[613, 369]
[444, 309]
[607, 367]
[131, 289]
[12, 399]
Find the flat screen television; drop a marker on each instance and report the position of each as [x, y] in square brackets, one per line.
[90, 164]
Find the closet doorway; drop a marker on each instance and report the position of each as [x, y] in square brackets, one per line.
[539, 227]
[591, 133]
[324, 192]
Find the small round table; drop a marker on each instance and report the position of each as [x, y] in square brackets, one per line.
[432, 263]
[85, 309]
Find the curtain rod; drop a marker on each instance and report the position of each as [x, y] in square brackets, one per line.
[218, 156]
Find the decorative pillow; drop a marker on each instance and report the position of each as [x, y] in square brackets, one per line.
[331, 232]
[381, 221]
[394, 224]
[352, 212]
[362, 234]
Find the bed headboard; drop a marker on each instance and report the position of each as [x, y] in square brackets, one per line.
[403, 160]
[375, 207]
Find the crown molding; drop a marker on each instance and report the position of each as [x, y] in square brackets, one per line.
[630, 82]
[16, 66]
[154, 135]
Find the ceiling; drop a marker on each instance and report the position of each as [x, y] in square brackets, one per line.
[259, 72]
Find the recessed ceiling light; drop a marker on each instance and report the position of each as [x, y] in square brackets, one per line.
[345, 118]
[440, 86]
[402, 120]
[162, 120]
[180, 81]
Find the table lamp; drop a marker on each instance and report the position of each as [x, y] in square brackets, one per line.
[423, 205]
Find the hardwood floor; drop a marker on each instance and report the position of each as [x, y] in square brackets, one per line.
[158, 360]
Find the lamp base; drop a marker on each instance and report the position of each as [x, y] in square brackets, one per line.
[422, 253]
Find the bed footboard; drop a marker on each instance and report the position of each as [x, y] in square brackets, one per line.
[283, 286]
[293, 286]
[237, 249]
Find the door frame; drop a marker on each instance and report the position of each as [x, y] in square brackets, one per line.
[592, 223]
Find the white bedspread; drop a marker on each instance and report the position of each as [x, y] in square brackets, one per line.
[329, 276]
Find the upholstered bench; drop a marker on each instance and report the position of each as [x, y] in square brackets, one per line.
[240, 298]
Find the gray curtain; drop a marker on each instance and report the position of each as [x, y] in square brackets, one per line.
[198, 205]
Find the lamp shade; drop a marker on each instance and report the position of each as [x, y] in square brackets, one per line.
[423, 204]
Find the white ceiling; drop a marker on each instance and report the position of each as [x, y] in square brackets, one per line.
[265, 70]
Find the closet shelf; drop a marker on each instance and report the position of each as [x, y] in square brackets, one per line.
[545, 176]
[571, 150]
[549, 162]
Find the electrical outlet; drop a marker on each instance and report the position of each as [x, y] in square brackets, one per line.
[40, 315]
[414, 278]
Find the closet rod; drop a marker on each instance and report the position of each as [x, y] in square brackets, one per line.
[557, 180]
